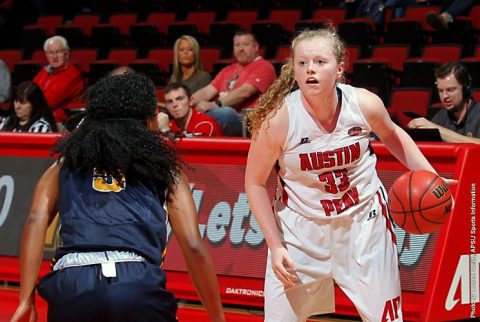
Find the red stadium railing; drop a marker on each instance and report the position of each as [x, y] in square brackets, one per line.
[439, 271]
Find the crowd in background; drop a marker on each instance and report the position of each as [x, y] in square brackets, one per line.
[222, 98]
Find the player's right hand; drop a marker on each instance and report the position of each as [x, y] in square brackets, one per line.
[283, 267]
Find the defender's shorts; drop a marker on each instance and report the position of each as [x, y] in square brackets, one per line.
[84, 294]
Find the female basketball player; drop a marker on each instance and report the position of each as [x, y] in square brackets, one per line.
[330, 219]
[109, 187]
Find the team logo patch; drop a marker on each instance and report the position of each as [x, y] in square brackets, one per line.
[354, 131]
[106, 183]
[372, 214]
[304, 140]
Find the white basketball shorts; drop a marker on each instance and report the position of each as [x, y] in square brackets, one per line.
[357, 252]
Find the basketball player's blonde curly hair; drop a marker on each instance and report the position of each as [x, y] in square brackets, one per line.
[272, 100]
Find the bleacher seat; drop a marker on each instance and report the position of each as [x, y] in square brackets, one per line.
[406, 32]
[10, 57]
[392, 55]
[48, 23]
[353, 54]
[419, 13]
[243, 18]
[83, 57]
[39, 55]
[221, 34]
[408, 99]
[196, 24]
[25, 70]
[114, 33]
[269, 34]
[371, 74]
[332, 16]
[286, 17]
[152, 32]
[360, 32]
[156, 65]
[209, 56]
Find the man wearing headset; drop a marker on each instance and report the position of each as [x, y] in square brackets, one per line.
[459, 120]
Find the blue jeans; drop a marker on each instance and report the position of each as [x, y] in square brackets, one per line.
[230, 121]
[398, 6]
[82, 293]
[460, 7]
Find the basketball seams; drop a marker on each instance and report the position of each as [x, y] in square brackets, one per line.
[401, 204]
[411, 211]
[429, 219]
[427, 191]
[415, 206]
[424, 195]
[417, 210]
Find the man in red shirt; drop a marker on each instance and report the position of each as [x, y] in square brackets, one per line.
[237, 86]
[185, 120]
[61, 81]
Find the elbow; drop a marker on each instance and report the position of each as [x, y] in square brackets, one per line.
[248, 186]
[35, 220]
[195, 250]
[35, 217]
[245, 96]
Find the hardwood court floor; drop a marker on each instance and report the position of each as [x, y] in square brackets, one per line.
[187, 312]
[244, 315]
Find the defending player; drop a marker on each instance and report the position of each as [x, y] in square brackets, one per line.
[330, 219]
[109, 187]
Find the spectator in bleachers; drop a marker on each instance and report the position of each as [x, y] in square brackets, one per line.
[185, 121]
[187, 64]
[459, 119]
[29, 111]
[451, 10]
[371, 9]
[61, 81]
[236, 86]
[5, 81]
[399, 6]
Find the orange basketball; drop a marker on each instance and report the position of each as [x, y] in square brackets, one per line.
[419, 201]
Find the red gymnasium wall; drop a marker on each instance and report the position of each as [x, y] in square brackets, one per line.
[439, 271]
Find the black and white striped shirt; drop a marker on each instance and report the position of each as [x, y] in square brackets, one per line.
[39, 126]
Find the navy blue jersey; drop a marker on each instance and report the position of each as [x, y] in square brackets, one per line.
[99, 213]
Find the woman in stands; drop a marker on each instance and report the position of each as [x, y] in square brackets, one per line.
[29, 111]
[330, 221]
[187, 64]
[109, 187]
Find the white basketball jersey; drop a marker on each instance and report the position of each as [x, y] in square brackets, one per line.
[323, 175]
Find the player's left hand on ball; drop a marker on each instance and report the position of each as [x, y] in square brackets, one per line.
[450, 182]
[284, 267]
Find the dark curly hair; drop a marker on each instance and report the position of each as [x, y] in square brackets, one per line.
[114, 138]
